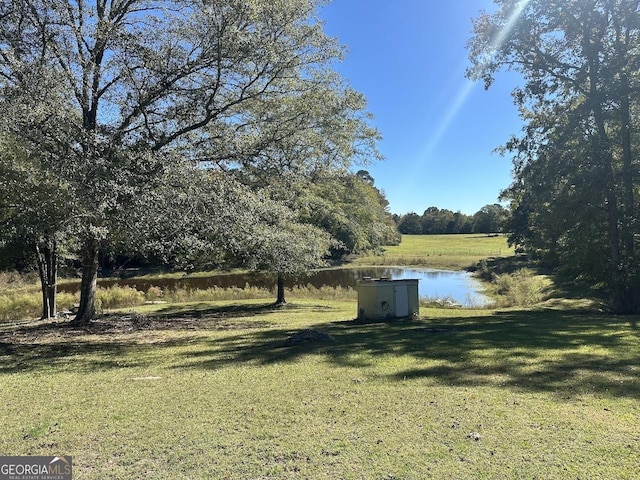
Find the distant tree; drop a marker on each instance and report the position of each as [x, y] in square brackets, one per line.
[287, 248]
[322, 217]
[430, 221]
[410, 224]
[352, 210]
[461, 223]
[435, 221]
[490, 219]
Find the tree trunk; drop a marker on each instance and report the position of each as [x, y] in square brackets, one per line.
[43, 283]
[47, 257]
[280, 300]
[627, 172]
[602, 152]
[613, 216]
[617, 282]
[630, 301]
[87, 308]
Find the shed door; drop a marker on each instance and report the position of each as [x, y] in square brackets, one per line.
[401, 299]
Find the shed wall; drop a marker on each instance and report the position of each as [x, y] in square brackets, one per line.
[378, 299]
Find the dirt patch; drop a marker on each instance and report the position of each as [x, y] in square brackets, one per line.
[441, 330]
[119, 325]
[307, 336]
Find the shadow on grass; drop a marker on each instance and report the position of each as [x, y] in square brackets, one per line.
[117, 340]
[205, 310]
[565, 353]
[547, 351]
[48, 347]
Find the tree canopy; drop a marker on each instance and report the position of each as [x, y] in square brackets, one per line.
[351, 209]
[124, 100]
[573, 199]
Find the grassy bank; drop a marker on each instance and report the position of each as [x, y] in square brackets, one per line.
[21, 299]
[208, 384]
[211, 390]
[20, 296]
[455, 252]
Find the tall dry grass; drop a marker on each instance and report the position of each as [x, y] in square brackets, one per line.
[25, 302]
[523, 288]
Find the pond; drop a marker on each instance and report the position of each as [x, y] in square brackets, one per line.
[458, 287]
[455, 286]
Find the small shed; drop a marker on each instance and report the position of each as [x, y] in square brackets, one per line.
[385, 298]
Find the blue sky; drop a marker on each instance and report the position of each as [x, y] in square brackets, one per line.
[408, 57]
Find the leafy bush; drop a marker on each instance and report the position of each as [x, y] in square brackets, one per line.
[66, 300]
[521, 289]
[28, 304]
[19, 306]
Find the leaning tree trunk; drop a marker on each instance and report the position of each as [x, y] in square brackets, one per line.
[47, 257]
[280, 300]
[88, 285]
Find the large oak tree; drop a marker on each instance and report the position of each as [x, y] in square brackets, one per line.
[145, 82]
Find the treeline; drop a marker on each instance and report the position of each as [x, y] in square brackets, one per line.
[574, 196]
[489, 219]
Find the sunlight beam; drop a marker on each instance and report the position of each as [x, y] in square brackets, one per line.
[461, 97]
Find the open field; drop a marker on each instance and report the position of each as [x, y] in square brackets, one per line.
[211, 390]
[453, 252]
[208, 386]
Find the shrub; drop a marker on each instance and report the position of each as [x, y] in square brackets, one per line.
[521, 289]
[66, 300]
[118, 297]
[20, 306]
[154, 293]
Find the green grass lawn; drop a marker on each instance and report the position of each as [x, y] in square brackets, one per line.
[210, 390]
[442, 251]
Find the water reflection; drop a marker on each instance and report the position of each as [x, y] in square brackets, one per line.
[455, 286]
[458, 287]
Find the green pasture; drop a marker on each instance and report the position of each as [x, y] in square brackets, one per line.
[213, 390]
[442, 251]
[209, 385]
